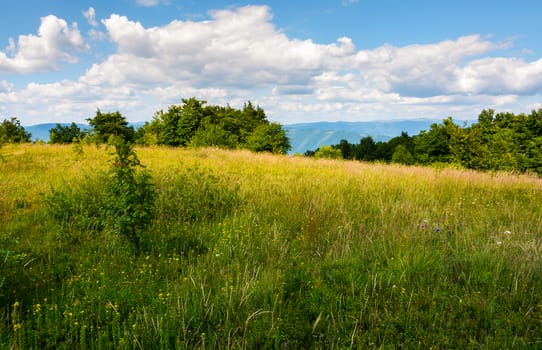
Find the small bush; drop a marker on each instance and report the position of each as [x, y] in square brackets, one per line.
[121, 200]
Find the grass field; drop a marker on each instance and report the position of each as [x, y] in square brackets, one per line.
[260, 251]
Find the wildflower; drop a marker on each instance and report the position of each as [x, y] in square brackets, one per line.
[37, 308]
[16, 304]
[17, 326]
[507, 232]
[499, 242]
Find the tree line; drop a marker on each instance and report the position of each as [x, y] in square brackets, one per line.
[497, 141]
[192, 123]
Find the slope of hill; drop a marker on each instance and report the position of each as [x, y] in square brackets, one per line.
[261, 251]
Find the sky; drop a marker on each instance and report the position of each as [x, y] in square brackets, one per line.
[301, 61]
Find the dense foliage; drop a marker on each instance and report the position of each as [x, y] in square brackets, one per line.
[65, 133]
[498, 141]
[11, 131]
[110, 125]
[196, 124]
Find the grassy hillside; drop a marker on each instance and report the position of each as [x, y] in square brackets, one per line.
[258, 251]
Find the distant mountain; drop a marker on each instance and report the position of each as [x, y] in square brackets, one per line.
[310, 136]
[41, 131]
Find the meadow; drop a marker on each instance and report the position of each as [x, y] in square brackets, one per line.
[251, 250]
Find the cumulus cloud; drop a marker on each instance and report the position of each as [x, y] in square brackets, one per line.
[239, 54]
[498, 76]
[56, 42]
[419, 70]
[235, 48]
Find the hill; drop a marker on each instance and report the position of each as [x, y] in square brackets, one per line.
[41, 131]
[256, 251]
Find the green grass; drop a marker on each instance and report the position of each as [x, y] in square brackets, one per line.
[259, 251]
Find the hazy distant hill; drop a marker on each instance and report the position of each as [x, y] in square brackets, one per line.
[307, 136]
[41, 131]
[310, 136]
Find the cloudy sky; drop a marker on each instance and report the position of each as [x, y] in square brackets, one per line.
[302, 61]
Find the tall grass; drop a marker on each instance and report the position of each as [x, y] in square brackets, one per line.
[259, 251]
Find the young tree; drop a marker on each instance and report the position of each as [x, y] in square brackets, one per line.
[106, 125]
[131, 193]
[11, 131]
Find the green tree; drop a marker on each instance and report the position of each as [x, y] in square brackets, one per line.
[11, 131]
[65, 134]
[435, 145]
[348, 150]
[166, 123]
[149, 133]
[214, 135]
[402, 155]
[107, 125]
[190, 118]
[269, 138]
[366, 150]
[329, 152]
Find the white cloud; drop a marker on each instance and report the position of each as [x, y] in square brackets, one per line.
[239, 54]
[5, 86]
[94, 33]
[419, 70]
[235, 48]
[56, 42]
[150, 3]
[497, 76]
[90, 15]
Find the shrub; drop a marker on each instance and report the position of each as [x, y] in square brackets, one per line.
[121, 200]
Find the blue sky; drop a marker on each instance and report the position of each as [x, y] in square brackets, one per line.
[302, 61]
